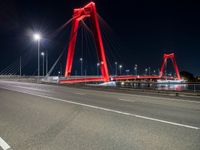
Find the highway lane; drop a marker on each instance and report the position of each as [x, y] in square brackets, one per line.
[41, 116]
[143, 105]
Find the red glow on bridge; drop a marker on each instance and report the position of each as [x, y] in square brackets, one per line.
[172, 57]
[89, 11]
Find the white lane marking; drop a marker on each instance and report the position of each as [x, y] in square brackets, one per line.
[35, 89]
[30, 88]
[127, 100]
[80, 93]
[110, 110]
[4, 145]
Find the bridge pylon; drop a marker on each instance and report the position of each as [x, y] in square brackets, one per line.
[165, 58]
[88, 11]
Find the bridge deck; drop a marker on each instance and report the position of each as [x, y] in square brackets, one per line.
[113, 78]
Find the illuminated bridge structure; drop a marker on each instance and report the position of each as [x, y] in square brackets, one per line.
[89, 11]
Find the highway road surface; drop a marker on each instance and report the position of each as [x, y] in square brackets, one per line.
[52, 117]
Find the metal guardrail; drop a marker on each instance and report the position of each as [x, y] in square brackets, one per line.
[187, 87]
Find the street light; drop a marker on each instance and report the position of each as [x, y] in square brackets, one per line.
[116, 68]
[149, 71]
[154, 72]
[37, 37]
[120, 69]
[98, 64]
[135, 68]
[59, 73]
[81, 60]
[146, 70]
[127, 71]
[47, 62]
[42, 54]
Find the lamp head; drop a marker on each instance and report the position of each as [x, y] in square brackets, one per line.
[37, 36]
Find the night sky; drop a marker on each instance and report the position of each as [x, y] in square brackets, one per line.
[142, 31]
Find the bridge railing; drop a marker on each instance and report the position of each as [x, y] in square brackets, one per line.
[187, 87]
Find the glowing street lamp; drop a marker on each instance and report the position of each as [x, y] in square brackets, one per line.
[149, 71]
[120, 69]
[42, 54]
[146, 70]
[59, 73]
[154, 72]
[98, 64]
[127, 71]
[37, 37]
[135, 68]
[116, 68]
[81, 60]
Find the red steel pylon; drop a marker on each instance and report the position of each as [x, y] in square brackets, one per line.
[172, 57]
[88, 11]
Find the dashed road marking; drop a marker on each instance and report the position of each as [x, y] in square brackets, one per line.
[80, 93]
[4, 145]
[126, 100]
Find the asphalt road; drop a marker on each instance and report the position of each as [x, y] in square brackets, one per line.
[50, 117]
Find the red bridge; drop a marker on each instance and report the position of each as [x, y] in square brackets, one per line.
[89, 11]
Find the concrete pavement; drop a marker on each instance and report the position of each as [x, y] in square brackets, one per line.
[38, 116]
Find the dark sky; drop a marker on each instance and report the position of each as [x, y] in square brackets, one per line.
[142, 31]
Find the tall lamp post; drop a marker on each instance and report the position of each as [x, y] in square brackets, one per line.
[146, 70]
[42, 54]
[98, 64]
[20, 66]
[81, 60]
[115, 68]
[120, 69]
[149, 71]
[135, 68]
[154, 72]
[37, 37]
[127, 72]
[47, 62]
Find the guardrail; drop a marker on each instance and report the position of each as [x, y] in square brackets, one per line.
[187, 87]
[20, 78]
